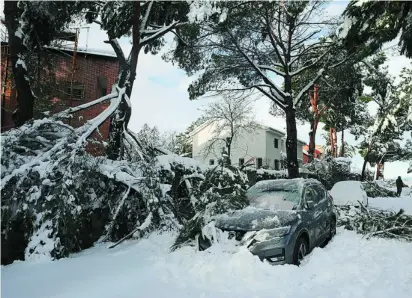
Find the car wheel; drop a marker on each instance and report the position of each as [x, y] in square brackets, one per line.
[203, 243]
[332, 227]
[300, 251]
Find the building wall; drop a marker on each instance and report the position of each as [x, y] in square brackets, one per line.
[274, 154]
[258, 144]
[249, 145]
[88, 69]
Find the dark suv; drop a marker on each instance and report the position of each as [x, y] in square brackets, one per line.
[286, 219]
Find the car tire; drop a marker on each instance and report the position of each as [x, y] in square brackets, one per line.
[332, 229]
[300, 251]
[203, 243]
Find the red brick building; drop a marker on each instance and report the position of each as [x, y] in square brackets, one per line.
[318, 153]
[78, 77]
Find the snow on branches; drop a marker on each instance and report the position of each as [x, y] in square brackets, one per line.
[375, 222]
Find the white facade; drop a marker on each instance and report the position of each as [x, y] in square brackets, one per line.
[264, 146]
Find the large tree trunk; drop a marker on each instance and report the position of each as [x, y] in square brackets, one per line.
[312, 138]
[291, 143]
[18, 52]
[127, 75]
[365, 161]
[342, 146]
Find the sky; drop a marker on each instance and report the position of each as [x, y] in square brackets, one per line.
[160, 96]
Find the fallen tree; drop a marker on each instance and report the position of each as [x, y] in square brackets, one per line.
[373, 222]
[57, 199]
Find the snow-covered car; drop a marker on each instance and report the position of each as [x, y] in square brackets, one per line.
[286, 219]
[349, 193]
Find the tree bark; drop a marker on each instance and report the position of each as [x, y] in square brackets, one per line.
[291, 143]
[312, 137]
[127, 75]
[342, 147]
[25, 97]
[365, 161]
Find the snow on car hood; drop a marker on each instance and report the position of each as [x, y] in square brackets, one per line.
[253, 219]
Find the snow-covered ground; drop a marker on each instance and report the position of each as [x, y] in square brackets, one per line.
[350, 266]
[394, 204]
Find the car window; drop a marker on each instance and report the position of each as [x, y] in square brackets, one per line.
[274, 196]
[320, 192]
[310, 195]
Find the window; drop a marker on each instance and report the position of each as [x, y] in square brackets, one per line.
[320, 192]
[310, 195]
[314, 193]
[241, 161]
[259, 162]
[101, 86]
[73, 91]
[282, 145]
[276, 164]
[276, 143]
[211, 162]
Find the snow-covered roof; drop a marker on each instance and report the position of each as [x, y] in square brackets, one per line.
[86, 50]
[199, 128]
[268, 128]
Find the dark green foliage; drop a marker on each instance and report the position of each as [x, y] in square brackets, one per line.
[57, 199]
[375, 222]
[222, 190]
[377, 22]
[329, 171]
[374, 190]
[44, 20]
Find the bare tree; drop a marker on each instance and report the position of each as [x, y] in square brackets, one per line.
[230, 117]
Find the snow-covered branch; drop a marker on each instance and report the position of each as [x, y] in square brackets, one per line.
[158, 33]
[91, 125]
[265, 78]
[118, 50]
[307, 87]
[143, 24]
[272, 69]
[72, 110]
[274, 98]
[299, 71]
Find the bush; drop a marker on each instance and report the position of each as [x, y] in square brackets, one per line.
[374, 190]
[329, 171]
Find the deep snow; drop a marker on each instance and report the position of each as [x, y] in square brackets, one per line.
[394, 204]
[349, 266]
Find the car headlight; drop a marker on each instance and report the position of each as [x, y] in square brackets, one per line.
[267, 234]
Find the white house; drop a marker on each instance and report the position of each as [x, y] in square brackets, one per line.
[264, 147]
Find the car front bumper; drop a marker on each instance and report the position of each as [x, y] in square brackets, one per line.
[275, 251]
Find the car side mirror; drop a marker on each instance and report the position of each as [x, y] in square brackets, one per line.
[310, 205]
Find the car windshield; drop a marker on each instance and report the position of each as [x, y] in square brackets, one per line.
[274, 195]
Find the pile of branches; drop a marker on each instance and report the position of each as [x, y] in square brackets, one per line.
[373, 190]
[222, 189]
[57, 199]
[373, 222]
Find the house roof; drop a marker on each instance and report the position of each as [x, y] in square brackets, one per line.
[199, 128]
[268, 128]
[80, 50]
[85, 50]
[262, 125]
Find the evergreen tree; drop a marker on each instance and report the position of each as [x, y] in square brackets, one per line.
[393, 117]
[147, 22]
[370, 24]
[241, 46]
[183, 142]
